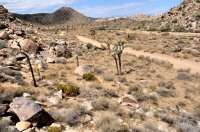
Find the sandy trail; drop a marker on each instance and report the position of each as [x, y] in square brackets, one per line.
[177, 63]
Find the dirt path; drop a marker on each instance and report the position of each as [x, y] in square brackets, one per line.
[177, 63]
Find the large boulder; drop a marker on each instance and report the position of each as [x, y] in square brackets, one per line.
[27, 110]
[29, 46]
[3, 108]
[63, 51]
[4, 35]
[82, 69]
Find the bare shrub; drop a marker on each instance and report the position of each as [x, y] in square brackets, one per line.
[184, 76]
[101, 103]
[109, 93]
[166, 93]
[108, 78]
[133, 88]
[187, 123]
[108, 122]
[150, 126]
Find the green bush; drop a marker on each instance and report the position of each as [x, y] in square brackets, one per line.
[175, 20]
[165, 28]
[89, 77]
[69, 89]
[152, 29]
[179, 29]
[54, 129]
[89, 45]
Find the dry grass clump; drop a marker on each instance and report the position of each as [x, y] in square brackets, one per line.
[108, 78]
[70, 115]
[108, 122]
[184, 76]
[166, 93]
[101, 103]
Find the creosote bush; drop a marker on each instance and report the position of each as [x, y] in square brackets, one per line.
[54, 129]
[89, 77]
[69, 89]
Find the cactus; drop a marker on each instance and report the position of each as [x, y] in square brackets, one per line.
[30, 66]
[118, 48]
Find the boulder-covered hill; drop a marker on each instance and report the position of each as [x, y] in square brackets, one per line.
[186, 14]
[60, 16]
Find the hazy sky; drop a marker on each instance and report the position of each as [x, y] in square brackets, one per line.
[92, 8]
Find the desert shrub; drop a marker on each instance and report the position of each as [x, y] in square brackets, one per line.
[122, 79]
[137, 47]
[168, 84]
[3, 78]
[69, 115]
[96, 85]
[165, 93]
[133, 88]
[179, 29]
[98, 70]
[6, 97]
[175, 20]
[131, 36]
[4, 126]
[152, 29]
[3, 44]
[61, 60]
[184, 76]
[187, 123]
[167, 118]
[54, 129]
[135, 129]
[165, 28]
[150, 126]
[69, 89]
[109, 93]
[101, 103]
[108, 78]
[89, 77]
[108, 123]
[89, 46]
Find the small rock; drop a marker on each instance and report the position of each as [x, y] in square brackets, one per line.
[88, 105]
[174, 108]
[56, 125]
[23, 125]
[3, 108]
[154, 95]
[162, 128]
[143, 81]
[149, 114]
[129, 100]
[54, 101]
[59, 94]
[26, 95]
[139, 111]
[82, 69]
[50, 60]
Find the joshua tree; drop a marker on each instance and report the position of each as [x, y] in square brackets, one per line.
[108, 46]
[118, 48]
[30, 66]
[92, 32]
[115, 58]
[77, 63]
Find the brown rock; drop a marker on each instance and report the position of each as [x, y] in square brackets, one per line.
[28, 46]
[3, 108]
[4, 35]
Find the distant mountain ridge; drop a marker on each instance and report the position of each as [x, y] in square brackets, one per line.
[60, 16]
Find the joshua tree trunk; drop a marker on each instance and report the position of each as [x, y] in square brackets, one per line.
[77, 63]
[29, 66]
[116, 64]
[120, 64]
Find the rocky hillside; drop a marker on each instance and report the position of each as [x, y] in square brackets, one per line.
[185, 16]
[62, 15]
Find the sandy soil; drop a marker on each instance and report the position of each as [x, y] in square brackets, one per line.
[177, 63]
